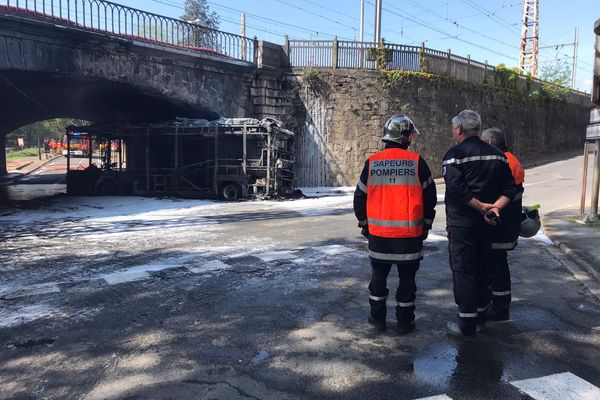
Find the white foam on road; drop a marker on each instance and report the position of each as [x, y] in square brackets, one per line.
[276, 255]
[211, 266]
[540, 237]
[334, 249]
[440, 397]
[564, 386]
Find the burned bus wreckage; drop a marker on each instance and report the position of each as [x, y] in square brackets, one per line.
[229, 158]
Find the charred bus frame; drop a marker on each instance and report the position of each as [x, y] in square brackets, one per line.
[231, 158]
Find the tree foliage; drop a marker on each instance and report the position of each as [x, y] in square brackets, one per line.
[48, 129]
[555, 80]
[197, 12]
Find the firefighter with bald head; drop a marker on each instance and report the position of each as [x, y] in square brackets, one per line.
[394, 203]
[506, 234]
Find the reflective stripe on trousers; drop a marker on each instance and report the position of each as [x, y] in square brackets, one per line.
[504, 246]
[396, 257]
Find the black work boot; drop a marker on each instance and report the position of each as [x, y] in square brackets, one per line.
[498, 311]
[378, 314]
[481, 318]
[462, 327]
[406, 319]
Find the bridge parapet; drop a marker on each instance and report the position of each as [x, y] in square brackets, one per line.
[339, 54]
[118, 20]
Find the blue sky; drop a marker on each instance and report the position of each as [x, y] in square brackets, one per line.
[484, 29]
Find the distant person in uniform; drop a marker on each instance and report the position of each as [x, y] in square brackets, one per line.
[46, 148]
[478, 185]
[394, 203]
[507, 232]
[53, 146]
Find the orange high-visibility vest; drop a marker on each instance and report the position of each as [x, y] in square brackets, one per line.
[516, 168]
[394, 194]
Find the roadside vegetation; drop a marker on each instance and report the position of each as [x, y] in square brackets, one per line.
[28, 152]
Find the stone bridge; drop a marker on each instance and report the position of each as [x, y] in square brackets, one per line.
[51, 70]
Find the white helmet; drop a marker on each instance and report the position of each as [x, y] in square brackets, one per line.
[530, 222]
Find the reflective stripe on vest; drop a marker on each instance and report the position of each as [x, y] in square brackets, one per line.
[395, 194]
[381, 222]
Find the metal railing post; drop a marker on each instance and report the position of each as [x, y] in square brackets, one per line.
[596, 179]
[334, 53]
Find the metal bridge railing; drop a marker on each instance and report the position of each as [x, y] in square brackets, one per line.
[118, 20]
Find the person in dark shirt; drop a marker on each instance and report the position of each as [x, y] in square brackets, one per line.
[478, 185]
[507, 233]
[394, 203]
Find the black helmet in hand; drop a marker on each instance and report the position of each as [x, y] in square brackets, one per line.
[399, 129]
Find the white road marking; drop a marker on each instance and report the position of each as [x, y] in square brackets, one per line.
[440, 397]
[24, 315]
[31, 290]
[124, 276]
[434, 237]
[334, 249]
[211, 266]
[565, 386]
[276, 255]
[151, 267]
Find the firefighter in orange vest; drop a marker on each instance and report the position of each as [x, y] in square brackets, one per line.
[506, 234]
[394, 203]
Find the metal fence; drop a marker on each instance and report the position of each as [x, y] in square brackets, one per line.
[346, 54]
[118, 20]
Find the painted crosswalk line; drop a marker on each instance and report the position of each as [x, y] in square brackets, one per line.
[31, 290]
[564, 386]
[125, 276]
[211, 266]
[276, 255]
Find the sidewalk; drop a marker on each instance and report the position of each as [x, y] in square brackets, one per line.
[580, 242]
[17, 168]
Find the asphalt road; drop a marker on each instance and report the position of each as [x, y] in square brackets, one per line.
[127, 298]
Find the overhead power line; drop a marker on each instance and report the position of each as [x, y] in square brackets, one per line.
[427, 26]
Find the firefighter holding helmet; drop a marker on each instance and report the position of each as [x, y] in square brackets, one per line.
[394, 203]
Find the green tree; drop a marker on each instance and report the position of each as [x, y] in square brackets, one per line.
[201, 35]
[555, 80]
[48, 129]
[197, 12]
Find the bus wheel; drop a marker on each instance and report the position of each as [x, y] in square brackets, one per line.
[231, 191]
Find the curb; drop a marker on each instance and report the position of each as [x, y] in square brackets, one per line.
[582, 270]
[24, 174]
[20, 167]
[573, 254]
